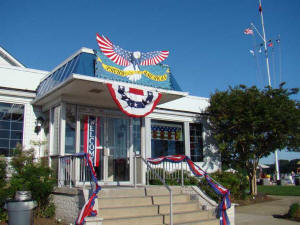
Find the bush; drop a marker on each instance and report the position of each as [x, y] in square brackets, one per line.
[294, 211]
[3, 188]
[235, 182]
[32, 176]
[188, 179]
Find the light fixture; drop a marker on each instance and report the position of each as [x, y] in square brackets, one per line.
[38, 124]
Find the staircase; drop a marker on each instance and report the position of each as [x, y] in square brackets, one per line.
[150, 205]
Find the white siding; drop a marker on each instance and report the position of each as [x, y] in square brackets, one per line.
[20, 78]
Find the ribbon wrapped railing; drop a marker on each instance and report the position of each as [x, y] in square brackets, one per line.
[198, 172]
[87, 209]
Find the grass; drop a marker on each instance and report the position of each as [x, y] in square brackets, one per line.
[280, 190]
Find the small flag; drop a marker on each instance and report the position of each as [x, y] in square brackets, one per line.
[278, 41]
[259, 8]
[248, 31]
[270, 43]
[251, 51]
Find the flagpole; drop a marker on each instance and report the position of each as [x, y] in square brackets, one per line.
[265, 42]
[268, 71]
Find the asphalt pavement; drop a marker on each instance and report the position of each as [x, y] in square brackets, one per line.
[265, 213]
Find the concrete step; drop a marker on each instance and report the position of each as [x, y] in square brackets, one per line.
[165, 199]
[147, 220]
[121, 192]
[179, 207]
[126, 212]
[161, 190]
[189, 216]
[202, 222]
[124, 201]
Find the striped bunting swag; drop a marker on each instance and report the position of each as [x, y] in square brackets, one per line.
[198, 172]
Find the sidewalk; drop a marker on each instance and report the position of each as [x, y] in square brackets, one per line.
[262, 213]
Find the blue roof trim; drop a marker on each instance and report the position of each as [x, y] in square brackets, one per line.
[83, 64]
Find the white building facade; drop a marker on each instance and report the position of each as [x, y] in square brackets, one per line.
[49, 112]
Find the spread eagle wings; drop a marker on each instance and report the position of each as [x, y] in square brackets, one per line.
[123, 57]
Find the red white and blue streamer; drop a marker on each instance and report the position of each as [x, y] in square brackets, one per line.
[91, 140]
[134, 102]
[87, 209]
[198, 172]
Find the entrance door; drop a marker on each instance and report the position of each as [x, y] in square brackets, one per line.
[116, 150]
[112, 144]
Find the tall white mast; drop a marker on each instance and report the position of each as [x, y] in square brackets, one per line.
[269, 77]
[265, 42]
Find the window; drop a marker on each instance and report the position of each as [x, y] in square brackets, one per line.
[196, 142]
[167, 138]
[70, 129]
[136, 135]
[11, 127]
[55, 121]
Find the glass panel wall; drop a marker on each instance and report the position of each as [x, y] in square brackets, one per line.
[196, 142]
[117, 144]
[136, 132]
[55, 121]
[70, 141]
[167, 138]
[11, 127]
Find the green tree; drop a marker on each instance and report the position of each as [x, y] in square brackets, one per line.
[249, 124]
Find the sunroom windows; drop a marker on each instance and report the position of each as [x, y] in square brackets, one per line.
[11, 127]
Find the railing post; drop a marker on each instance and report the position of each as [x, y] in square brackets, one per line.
[164, 172]
[135, 170]
[148, 182]
[171, 208]
[59, 172]
[182, 178]
[70, 170]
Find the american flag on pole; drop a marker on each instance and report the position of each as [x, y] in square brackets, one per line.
[248, 31]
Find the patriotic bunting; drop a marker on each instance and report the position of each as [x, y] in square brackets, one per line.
[198, 172]
[134, 102]
[87, 209]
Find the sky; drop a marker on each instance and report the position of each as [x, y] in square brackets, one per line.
[208, 50]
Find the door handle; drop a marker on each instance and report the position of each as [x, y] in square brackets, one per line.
[106, 152]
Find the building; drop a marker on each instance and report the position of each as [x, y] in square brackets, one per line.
[70, 109]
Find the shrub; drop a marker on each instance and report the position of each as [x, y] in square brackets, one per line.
[32, 176]
[235, 182]
[170, 177]
[3, 188]
[294, 211]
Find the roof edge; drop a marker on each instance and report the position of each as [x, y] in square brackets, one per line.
[81, 50]
[11, 58]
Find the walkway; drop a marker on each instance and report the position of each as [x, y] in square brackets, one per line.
[262, 213]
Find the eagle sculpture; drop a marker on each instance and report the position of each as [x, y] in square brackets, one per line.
[130, 60]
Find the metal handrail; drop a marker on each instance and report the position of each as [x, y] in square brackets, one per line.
[164, 183]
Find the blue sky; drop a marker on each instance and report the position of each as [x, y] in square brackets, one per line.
[208, 49]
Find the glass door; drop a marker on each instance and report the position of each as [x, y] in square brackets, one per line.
[117, 150]
[110, 139]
